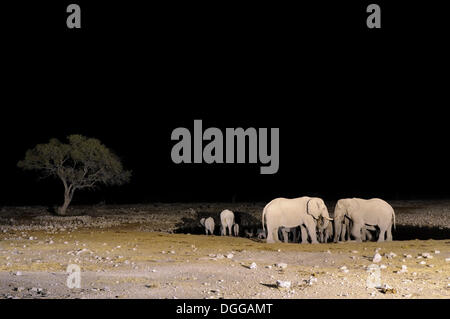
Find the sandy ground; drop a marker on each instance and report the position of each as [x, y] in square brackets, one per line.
[136, 252]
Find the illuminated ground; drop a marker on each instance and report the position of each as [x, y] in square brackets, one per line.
[131, 260]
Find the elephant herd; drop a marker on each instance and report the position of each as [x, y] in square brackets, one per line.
[360, 219]
[354, 218]
[227, 224]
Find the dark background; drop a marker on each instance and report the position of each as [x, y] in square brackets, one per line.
[361, 112]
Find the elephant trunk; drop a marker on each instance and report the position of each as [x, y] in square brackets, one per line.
[326, 219]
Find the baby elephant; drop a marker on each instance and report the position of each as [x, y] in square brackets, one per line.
[236, 230]
[208, 223]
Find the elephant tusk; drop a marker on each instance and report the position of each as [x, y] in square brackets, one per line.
[329, 218]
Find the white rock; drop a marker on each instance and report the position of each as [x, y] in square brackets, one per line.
[383, 266]
[311, 280]
[376, 258]
[390, 255]
[230, 255]
[403, 270]
[447, 259]
[283, 284]
[252, 266]
[422, 262]
[437, 252]
[281, 265]
[19, 273]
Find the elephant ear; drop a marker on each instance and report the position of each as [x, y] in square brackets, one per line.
[351, 206]
[202, 221]
[313, 208]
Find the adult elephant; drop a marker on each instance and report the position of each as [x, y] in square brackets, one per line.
[285, 212]
[209, 225]
[227, 221]
[364, 214]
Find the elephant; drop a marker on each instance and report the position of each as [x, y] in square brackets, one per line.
[285, 212]
[209, 225]
[364, 215]
[325, 234]
[236, 230]
[296, 237]
[366, 235]
[285, 231]
[227, 221]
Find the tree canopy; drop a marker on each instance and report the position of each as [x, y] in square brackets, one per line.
[82, 163]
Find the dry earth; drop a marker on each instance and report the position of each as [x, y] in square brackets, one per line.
[139, 252]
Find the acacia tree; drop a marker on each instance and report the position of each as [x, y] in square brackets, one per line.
[82, 163]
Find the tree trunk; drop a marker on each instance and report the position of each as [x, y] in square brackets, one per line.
[68, 194]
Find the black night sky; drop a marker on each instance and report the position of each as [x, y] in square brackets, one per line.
[360, 113]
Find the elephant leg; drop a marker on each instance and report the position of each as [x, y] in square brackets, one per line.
[311, 227]
[356, 232]
[382, 234]
[343, 232]
[389, 233]
[296, 235]
[348, 227]
[304, 234]
[275, 235]
[369, 235]
[285, 235]
[272, 234]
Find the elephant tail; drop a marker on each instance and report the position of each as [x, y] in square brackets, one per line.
[393, 216]
[263, 214]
